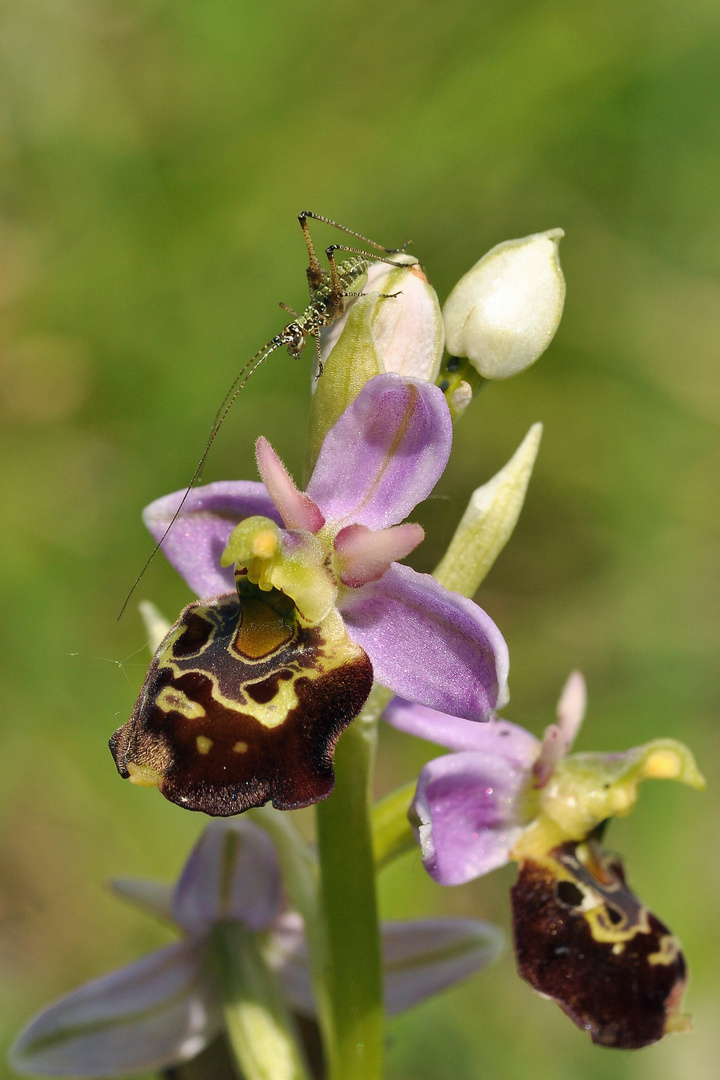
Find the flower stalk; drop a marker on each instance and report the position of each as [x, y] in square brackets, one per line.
[348, 899]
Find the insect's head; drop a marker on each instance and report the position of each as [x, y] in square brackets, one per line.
[294, 338]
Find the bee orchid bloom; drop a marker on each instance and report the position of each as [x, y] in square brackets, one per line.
[582, 937]
[251, 689]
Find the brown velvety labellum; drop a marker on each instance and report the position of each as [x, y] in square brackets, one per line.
[243, 705]
[584, 939]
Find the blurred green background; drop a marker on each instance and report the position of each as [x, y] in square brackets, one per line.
[154, 155]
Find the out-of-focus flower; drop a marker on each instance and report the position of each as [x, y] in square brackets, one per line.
[249, 692]
[165, 1008]
[581, 935]
[503, 314]
[471, 806]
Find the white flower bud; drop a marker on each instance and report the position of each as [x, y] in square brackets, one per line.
[503, 313]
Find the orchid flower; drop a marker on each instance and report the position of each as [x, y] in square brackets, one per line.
[165, 1008]
[503, 792]
[581, 936]
[472, 806]
[251, 689]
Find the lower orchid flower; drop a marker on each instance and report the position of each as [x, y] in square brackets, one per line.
[165, 1008]
[582, 938]
[302, 605]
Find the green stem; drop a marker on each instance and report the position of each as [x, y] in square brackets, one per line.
[347, 887]
[260, 1029]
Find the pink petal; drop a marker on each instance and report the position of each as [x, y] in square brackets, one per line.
[551, 751]
[385, 453]
[296, 508]
[198, 538]
[365, 554]
[558, 738]
[571, 708]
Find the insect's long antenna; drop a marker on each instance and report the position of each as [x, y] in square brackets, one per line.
[228, 401]
[238, 382]
[351, 232]
[328, 293]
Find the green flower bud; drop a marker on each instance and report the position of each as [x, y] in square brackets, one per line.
[488, 522]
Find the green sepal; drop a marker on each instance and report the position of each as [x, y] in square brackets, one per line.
[586, 789]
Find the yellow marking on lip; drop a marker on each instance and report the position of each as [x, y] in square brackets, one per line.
[272, 636]
[262, 631]
[170, 699]
[241, 747]
[142, 775]
[668, 952]
[203, 744]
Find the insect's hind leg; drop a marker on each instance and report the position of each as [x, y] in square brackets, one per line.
[351, 232]
[338, 292]
[320, 366]
[315, 272]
